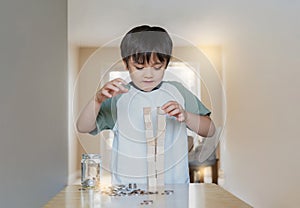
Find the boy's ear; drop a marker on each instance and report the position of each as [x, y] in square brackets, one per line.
[125, 64]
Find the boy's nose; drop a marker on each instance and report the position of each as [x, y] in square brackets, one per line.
[148, 72]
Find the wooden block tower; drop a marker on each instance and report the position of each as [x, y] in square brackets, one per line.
[160, 147]
[155, 148]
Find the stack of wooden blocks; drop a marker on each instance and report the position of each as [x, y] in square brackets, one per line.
[155, 148]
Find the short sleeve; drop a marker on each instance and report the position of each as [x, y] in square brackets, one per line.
[192, 103]
[105, 118]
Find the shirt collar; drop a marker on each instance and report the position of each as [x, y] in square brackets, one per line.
[155, 88]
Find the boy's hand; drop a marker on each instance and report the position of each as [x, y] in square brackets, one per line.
[173, 108]
[111, 89]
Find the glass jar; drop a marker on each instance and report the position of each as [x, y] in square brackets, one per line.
[90, 170]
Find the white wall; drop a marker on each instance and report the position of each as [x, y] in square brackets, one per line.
[33, 100]
[261, 62]
[92, 68]
[75, 148]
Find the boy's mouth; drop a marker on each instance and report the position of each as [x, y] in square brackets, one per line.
[148, 85]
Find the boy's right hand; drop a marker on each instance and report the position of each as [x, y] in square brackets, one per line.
[111, 89]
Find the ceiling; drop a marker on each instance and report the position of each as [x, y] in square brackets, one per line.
[99, 22]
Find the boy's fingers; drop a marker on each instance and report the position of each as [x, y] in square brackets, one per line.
[169, 109]
[106, 93]
[119, 84]
[112, 88]
[122, 87]
[181, 117]
[167, 105]
[120, 80]
[173, 108]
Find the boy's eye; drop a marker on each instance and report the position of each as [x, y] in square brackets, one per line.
[158, 67]
[139, 68]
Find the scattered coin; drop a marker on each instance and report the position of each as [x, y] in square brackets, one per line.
[147, 202]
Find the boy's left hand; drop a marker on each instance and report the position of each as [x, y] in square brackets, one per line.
[172, 108]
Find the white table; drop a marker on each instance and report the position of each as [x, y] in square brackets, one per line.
[190, 195]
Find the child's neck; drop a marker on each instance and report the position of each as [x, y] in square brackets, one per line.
[155, 88]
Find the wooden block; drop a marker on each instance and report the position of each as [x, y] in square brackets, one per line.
[160, 169]
[152, 182]
[151, 153]
[155, 148]
[161, 123]
[151, 142]
[152, 187]
[147, 110]
[151, 165]
[160, 181]
[161, 143]
[151, 177]
[160, 151]
[161, 133]
[160, 148]
[161, 139]
[148, 125]
[160, 162]
[147, 119]
[147, 116]
[161, 120]
[160, 111]
[149, 135]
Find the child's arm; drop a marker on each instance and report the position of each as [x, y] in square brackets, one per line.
[202, 125]
[86, 121]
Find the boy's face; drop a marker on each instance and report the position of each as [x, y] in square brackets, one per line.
[146, 76]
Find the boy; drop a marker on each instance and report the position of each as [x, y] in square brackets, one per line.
[146, 52]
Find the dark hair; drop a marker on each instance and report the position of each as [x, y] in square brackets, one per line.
[142, 41]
